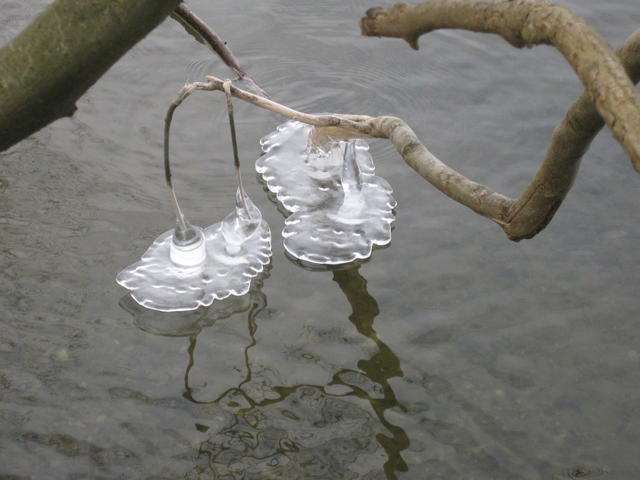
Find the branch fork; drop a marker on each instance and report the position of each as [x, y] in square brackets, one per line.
[609, 98]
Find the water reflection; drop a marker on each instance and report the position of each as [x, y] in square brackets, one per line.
[262, 427]
[381, 367]
[181, 324]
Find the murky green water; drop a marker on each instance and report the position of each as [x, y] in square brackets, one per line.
[452, 354]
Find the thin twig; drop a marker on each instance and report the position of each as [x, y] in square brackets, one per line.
[353, 123]
[478, 197]
[199, 28]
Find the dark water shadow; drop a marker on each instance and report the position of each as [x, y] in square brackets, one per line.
[339, 429]
[189, 323]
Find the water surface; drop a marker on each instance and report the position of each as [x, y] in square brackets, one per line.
[451, 354]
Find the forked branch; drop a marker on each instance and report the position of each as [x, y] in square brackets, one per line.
[609, 95]
[569, 142]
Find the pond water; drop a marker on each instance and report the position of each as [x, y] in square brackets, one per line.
[452, 354]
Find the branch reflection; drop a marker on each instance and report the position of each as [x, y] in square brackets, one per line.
[380, 367]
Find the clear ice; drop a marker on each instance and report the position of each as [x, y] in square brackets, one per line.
[188, 268]
[339, 208]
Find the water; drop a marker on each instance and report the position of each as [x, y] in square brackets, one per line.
[452, 354]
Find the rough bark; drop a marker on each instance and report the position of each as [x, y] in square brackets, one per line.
[65, 50]
[524, 23]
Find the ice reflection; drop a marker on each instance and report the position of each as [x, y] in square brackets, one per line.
[264, 427]
[181, 324]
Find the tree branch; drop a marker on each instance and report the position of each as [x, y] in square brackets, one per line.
[47, 67]
[53, 62]
[524, 23]
[479, 198]
[203, 33]
[521, 218]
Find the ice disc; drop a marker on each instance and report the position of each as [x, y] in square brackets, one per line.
[339, 208]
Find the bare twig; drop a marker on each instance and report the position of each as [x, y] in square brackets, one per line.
[226, 86]
[209, 36]
[184, 93]
[204, 33]
[478, 197]
[609, 95]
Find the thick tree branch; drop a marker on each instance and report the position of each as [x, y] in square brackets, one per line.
[526, 23]
[45, 69]
[569, 142]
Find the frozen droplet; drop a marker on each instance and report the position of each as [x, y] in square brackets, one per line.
[353, 205]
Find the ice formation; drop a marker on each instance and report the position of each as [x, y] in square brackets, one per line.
[186, 269]
[339, 208]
